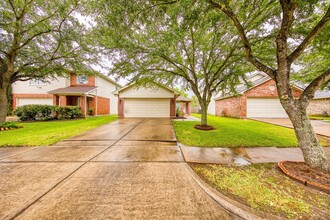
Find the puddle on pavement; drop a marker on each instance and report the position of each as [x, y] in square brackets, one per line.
[226, 156]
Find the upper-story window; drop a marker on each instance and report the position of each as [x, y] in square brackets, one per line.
[82, 79]
[37, 82]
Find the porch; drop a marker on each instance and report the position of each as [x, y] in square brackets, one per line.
[83, 97]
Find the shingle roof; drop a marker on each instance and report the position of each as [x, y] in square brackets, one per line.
[322, 94]
[134, 83]
[241, 89]
[73, 90]
[181, 98]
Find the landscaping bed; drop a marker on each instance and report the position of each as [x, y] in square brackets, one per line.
[265, 188]
[306, 175]
[9, 126]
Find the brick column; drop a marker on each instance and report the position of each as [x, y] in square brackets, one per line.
[83, 103]
[120, 107]
[188, 108]
[172, 107]
[62, 101]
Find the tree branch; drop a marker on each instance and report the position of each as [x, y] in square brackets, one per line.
[225, 8]
[13, 8]
[308, 93]
[317, 29]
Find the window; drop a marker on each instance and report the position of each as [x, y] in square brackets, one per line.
[82, 79]
[37, 82]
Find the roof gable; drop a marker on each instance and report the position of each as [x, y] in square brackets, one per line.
[153, 90]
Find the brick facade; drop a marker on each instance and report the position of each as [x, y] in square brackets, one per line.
[73, 81]
[62, 99]
[172, 107]
[319, 107]
[103, 106]
[185, 107]
[236, 106]
[267, 90]
[229, 107]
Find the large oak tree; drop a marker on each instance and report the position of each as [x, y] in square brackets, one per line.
[39, 39]
[288, 45]
[172, 43]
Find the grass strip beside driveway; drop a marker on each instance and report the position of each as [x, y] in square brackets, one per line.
[50, 132]
[265, 188]
[323, 118]
[231, 132]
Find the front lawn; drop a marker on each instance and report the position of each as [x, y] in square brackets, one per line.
[231, 132]
[263, 187]
[50, 132]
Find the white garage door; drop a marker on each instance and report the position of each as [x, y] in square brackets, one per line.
[147, 108]
[34, 101]
[265, 108]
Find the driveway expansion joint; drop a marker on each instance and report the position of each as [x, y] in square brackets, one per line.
[67, 177]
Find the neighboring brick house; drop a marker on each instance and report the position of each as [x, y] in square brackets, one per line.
[183, 105]
[320, 105]
[87, 92]
[259, 100]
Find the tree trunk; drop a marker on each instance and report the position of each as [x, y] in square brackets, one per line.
[204, 114]
[3, 102]
[312, 150]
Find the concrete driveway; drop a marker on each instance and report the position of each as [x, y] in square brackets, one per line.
[129, 169]
[320, 127]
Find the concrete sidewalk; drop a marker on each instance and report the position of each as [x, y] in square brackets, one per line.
[243, 156]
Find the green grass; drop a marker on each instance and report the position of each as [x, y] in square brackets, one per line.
[264, 188]
[50, 132]
[325, 118]
[231, 132]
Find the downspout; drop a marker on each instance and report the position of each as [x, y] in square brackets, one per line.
[85, 105]
[96, 97]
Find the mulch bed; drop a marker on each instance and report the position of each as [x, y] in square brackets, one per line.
[306, 175]
[204, 127]
[5, 128]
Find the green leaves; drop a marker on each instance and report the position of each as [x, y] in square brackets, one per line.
[42, 38]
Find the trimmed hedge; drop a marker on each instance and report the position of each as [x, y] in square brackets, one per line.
[68, 112]
[46, 112]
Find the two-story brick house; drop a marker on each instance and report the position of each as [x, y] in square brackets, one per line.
[87, 92]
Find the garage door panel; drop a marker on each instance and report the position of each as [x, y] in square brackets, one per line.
[34, 101]
[147, 108]
[265, 108]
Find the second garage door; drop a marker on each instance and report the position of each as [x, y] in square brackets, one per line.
[265, 108]
[147, 108]
[34, 101]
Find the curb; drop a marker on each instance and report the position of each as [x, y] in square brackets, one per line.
[233, 207]
[312, 184]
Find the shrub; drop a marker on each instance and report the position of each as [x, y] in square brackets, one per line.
[90, 111]
[34, 112]
[9, 125]
[68, 112]
[46, 112]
